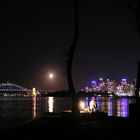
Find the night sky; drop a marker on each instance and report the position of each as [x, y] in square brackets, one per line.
[35, 35]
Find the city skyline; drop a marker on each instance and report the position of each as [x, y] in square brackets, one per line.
[101, 87]
[35, 37]
[121, 88]
[88, 84]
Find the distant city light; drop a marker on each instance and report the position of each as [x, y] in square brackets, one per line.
[93, 82]
[107, 80]
[34, 91]
[101, 79]
[123, 79]
[111, 86]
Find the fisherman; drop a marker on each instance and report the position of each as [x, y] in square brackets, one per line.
[92, 105]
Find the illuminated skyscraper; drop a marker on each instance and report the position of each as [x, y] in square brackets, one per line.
[94, 86]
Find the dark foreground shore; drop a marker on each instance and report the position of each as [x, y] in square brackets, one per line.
[86, 127]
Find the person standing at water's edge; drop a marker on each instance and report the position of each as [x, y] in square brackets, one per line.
[92, 105]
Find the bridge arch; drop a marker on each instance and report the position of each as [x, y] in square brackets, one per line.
[12, 87]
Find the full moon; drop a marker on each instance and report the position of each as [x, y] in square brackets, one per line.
[51, 76]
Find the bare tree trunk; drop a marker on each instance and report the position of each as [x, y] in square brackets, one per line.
[138, 72]
[138, 85]
[138, 16]
[71, 52]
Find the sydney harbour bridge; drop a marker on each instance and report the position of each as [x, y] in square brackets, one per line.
[10, 88]
[17, 90]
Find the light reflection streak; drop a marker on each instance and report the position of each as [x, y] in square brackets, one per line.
[118, 108]
[122, 107]
[125, 107]
[87, 103]
[50, 104]
[34, 106]
[110, 112]
[98, 103]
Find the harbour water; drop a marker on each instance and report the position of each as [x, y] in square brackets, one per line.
[16, 110]
[32, 107]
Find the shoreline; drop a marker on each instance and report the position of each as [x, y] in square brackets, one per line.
[66, 127]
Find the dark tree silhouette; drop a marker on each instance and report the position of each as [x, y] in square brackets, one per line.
[135, 7]
[138, 15]
[138, 84]
[70, 54]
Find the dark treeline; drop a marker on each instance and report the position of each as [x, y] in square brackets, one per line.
[65, 93]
